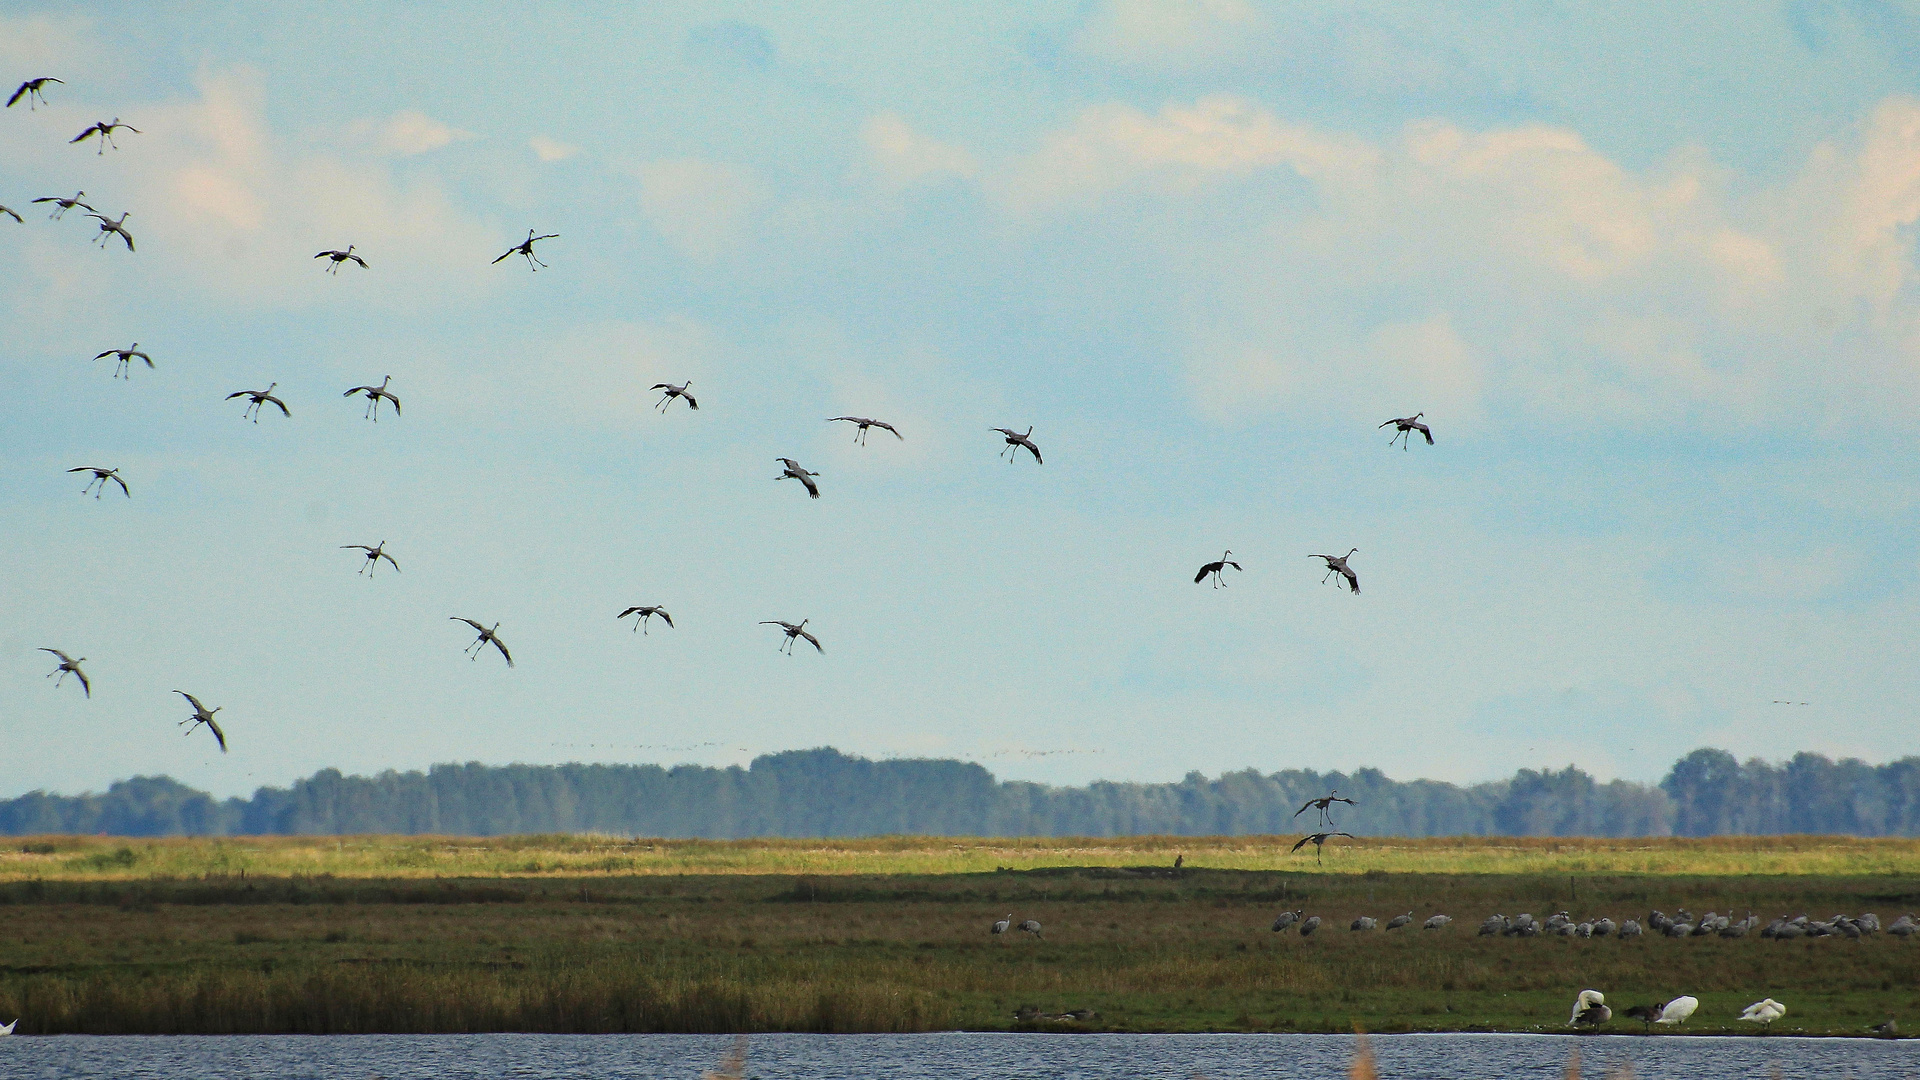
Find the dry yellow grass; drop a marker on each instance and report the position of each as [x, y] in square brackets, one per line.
[390, 857]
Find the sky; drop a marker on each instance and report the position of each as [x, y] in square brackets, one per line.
[1648, 272]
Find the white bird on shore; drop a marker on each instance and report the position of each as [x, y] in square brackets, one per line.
[7, 1029]
[1764, 1012]
[1677, 1010]
[1590, 1009]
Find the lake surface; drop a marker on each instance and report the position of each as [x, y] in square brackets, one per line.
[953, 1056]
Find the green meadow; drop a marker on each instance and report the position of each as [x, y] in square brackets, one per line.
[583, 934]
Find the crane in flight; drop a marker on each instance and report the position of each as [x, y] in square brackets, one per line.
[105, 130]
[794, 632]
[1214, 568]
[33, 90]
[672, 392]
[525, 247]
[1404, 426]
[487, 636]
[646, 613]
[101, 476]
[257, 398]
[68, 663]
[111, 228]
[15, 214]
[1324, 804]
[126, 356]
[374, 394]
[202, 716]
[374, 555]
[339, 257]
[794, 470]
[62, 205]
[1015, 440]
[1337, 564]
[1319, 842]
[864, 423]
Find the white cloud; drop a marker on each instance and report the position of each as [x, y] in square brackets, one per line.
[411, 131]
[551, 150]
[701, 207]
[1553, 278]
[902, 157]
[1170, 34]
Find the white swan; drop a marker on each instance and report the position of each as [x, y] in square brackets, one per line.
[1590, 1008]
[1677, 1010]
[1765, 1011]
[7, 1029]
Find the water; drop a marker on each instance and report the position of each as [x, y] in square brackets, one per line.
[955, 1056]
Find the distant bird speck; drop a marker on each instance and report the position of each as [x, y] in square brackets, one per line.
[525, 247]
[257, 398]
[374, 394]
[794, 632]
[12, 213]
[794, 471]
[1404, 427]
[373, 556]
[339, 257]
[101, 476]
[1016, 440]
[33, 90]
[105, 130]
[644, 614]
[69, 664]
[864, 423]
[487, 636]
[202, 716]
[672, 392]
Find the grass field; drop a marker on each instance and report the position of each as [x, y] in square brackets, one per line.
[112, 859]
[577, 934]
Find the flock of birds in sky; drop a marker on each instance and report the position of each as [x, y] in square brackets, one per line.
[32, 92]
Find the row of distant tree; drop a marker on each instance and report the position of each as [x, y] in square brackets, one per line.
[826, 793]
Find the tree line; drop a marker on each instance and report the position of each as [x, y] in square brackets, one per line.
[824, 792]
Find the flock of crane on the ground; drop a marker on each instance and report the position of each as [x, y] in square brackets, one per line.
[33, 93]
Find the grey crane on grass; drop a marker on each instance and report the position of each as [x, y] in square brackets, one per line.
[525, 247]
[1364, 922]
[1404, 427]
[795, 632]
[1307, 928]
[14, 214]
[113, 227]
[1001, 926]
[1399, 921]
[339, 257]
[1436, 922]
[125, 357]
[33, 90]
[373, 556]
[374, 394]
[864, 423]
[794, 471]
[1324, 804]
[487, 637]
[1032, 927]
[202, 716]
[101, 476]
[672, 392]
[257, 398]
[69, 664]
[105, 130]
[1337, 564]
[1319, 842]
[62, 205]
[1016, 440]
[1214, 568]
[1286, 919]
[646, 613]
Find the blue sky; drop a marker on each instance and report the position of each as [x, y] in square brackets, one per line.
[1649, 273]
